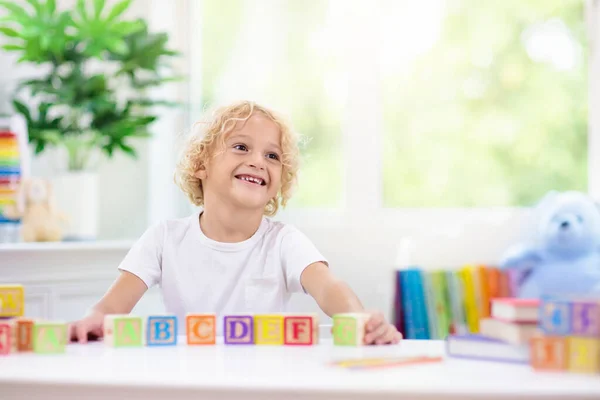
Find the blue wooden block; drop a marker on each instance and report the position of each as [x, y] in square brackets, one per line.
[555, 316]
[161, 330]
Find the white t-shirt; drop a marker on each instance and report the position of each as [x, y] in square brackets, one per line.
[197, 274]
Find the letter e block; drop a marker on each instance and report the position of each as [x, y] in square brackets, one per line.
[268, 329]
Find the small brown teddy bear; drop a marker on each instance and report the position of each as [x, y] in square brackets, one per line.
[41, 222]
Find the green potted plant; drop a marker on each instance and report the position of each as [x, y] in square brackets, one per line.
[90, 98]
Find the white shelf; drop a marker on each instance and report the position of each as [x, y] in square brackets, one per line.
[100, 245]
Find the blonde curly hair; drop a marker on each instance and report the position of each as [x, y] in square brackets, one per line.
[202, 143]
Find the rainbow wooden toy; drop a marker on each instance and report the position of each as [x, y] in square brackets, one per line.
[12, 301]
[49, 337]
[300, 330]
[349, 329]
[123, 330]
[238, 329]
[268, 329]
[8, 340]
[201, 329]
[161, 331]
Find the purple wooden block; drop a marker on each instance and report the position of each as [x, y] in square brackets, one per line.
[238, 329]
[585, 318]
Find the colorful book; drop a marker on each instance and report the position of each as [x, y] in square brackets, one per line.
[478, 347]
[516, 310]
[457, 306]
[470, 298]
[430, 301]
[507, 331]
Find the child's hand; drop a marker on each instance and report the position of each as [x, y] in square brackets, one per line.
[88, 328]
[379, 331]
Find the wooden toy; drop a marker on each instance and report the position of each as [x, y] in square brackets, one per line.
[555, 317]
[24, 334]
[349, 329]
[301, 330]
[122, 330]
[268, 329]
[49, 337]
[12, 301]
[238, 329]
[201, 328]
[161, 331]
[584, 355]
[549, 353]
[585, 318]
[8, 340]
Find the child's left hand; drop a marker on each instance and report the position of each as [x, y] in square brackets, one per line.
[379, 331]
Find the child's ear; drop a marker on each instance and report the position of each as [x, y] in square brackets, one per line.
[201, 173]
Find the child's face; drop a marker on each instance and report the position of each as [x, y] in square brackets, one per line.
[246, 172]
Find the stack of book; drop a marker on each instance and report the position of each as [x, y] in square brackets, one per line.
[504, 336]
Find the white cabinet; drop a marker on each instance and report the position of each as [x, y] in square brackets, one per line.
[62, 280]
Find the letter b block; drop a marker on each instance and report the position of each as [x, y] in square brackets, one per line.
[162, 331]
[549, 353]
[201, 328]
[268, 329]
[238, 329]
[123, 331]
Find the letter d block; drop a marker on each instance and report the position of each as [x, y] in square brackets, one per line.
[349, 329]
[201, 328]
[161, 331]
[49, 337]
[584, 355]
[123, 331]
[238, 329]
[12, 301]
[268, 329]
[549, 353]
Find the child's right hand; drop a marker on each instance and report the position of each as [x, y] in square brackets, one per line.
[88, 328]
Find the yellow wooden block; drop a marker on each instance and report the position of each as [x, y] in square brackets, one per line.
[268, 329]
[12, 301]
[584, 355]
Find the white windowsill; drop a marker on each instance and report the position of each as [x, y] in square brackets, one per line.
[68, 246]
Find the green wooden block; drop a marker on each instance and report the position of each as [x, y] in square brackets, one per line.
[123, 330]
[349, 329]
[49, 337]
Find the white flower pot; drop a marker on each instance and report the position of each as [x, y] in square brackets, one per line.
[76, 195]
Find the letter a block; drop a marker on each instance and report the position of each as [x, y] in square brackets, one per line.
[12, 301]
[8, 340]
[162, 331]
[49, 337]
[201, 328]
[584, 355]
[549, 353]
[238, 329]
[24, 334]
[300, 330]
[268, 329]
[555, 317]
[349, 329]
[585, 318]
[123, 331]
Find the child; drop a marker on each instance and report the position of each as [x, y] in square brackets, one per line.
[230, 257]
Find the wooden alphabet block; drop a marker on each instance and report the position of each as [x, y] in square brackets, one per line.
[555, 317]
[585, 318]
[12, 301]
[238, 329]
[49, 337]
[8, 340]
[201, 328]
[122, 330]
[301, 330]
[24, 334]
[161, 331]
[549, 353]
[349, 329]
[584, 355]
[268, 329]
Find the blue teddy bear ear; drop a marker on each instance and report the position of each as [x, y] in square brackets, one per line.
[547, 199]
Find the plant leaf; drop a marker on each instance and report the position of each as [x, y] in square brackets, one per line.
[117, 10]
[50, 6]
[9, 32]
[22, 108]
[36, 6]
[98, 7]
[17, 11]
[12, 47]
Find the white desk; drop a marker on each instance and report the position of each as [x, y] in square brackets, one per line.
[95, 371]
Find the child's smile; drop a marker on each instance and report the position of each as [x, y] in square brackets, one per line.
[251, 179]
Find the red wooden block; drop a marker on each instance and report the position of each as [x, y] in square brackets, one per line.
[8, 342]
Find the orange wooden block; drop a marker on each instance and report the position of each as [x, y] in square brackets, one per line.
[549, 353]
[301, 329]
[201, 328]
[268, 329]
[584, 355]
[24, 334]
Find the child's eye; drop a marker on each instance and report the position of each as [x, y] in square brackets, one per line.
[241, 147]
[273, 156]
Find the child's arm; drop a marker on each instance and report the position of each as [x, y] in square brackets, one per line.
[120, 298]
[333, 296]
